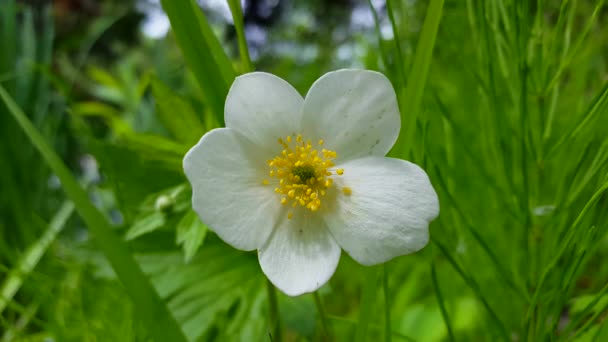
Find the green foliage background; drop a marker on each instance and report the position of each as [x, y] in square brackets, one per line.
[504, 103]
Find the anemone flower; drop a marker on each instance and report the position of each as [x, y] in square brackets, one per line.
[300, 179]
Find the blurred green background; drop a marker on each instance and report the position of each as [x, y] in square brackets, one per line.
[510, 122]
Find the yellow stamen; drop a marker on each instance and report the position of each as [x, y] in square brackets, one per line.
[347, 191]
[303, 171]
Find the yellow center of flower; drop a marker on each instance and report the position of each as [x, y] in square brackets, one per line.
[303, 172]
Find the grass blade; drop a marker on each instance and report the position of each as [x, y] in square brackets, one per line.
[367, 304]
[151, 309]
[33, 254]
[444, 312]
[237, 17]
[202, 52]
[476, 289]
[412, 96]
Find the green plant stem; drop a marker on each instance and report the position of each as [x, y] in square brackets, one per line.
[367, 303]
[412, 95]
[396, 39]
[444, 312]
[148, 304]
[381, 45]
[237, 18]
[322, 315]
[33, 254]
[273, 306]
[563, 248]
[387, 305]
[373, 326]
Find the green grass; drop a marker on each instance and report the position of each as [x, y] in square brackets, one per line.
[504, 103]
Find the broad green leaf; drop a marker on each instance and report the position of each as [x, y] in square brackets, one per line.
[202, 52]
[151, 309]
[221, 288]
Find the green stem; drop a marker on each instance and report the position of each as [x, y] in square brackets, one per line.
[367, 304]
[387, 305]
[32, 256]
[444, 312]
[275, 321]
[322, 316]
[237, 17]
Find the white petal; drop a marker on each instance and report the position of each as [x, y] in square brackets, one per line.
[354, 111]
[226, 173]
[388, 212]
[263, 107]
[301, 255]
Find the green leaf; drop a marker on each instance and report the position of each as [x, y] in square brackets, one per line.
[176, 114]
[202, 52]
[151, 309]
[221, 290]
[147, 224]
[191, 233]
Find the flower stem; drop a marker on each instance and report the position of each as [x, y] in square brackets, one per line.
[273, 304]
[387, 306]
[367, 303]
[323, 316]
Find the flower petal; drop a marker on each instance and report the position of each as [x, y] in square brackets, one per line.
[226, 174]
[301, 255]
[387, 212]
[354, 111]
[263, 107]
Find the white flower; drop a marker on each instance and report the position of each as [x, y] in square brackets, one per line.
[298, 179]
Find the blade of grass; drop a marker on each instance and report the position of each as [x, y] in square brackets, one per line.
[396, 39]
[372, 326]
[11, 333]
[8, 15]
[151, 309]
[367, 304]
[381, 43]
[202, 52]
[476, 289]
[563, 247]
[32, 256]
[322, 316]
[387, 305]
[412, 95]
[237, 18]
[570, 56]
[444, 312]
[598, 106]
[595, 316]
[276, 331]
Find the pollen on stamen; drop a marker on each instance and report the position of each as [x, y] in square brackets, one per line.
[347, 191]
[265, 182]
[304, 172]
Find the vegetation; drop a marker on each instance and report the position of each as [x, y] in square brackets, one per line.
[504, 103]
